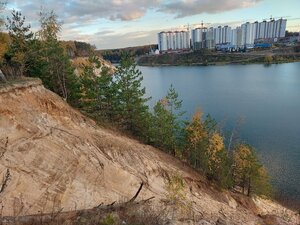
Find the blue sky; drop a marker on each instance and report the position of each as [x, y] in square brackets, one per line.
[123, 23]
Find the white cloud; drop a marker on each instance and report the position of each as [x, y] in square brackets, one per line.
[183, 8]
[90, 20]
[126, 39]
[129, 9]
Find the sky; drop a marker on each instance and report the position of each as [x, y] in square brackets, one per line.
[112, 24]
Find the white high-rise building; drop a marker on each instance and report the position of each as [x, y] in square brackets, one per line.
[276, 28]
[178, 41]
[210, 42]
[256, 30]
[270, 29]
[168, 41]
[233, 40]
[186, 39]
[262, 30]
[208, 38]
[181, 34]
[199, 38]
[282, 28]
[248, 34]
[223, 36]
[215, 35]
[243, 36]
[218, 35]
[239, 37]
[162, 41]
[226, 35]
[197, 35]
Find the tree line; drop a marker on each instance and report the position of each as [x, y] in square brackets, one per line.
[119, 99]
[115, 55]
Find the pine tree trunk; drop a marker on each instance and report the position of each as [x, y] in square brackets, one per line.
[249, 186]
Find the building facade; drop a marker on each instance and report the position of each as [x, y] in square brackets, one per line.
[171, 41]
[244, 36]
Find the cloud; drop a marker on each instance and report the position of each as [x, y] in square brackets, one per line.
[105, 32]
[107, 39]
[109, 9]
[129, 9]
[127, 39]
[96, 21]
[183, 8]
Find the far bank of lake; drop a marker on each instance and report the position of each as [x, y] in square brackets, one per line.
[206, 58]
[267, 97]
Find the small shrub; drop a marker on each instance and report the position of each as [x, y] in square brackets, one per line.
[108, 220]
[176, 195]
[268, 59]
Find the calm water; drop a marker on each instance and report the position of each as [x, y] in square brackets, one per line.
[267, 97]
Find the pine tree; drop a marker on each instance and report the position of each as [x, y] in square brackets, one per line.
[173, 103]
[88, 88]
[47, 60]
[205, 149]
[163, 135]
[50, 26]
[106, 94]
[261, 184]
[197, 142]
[98, 93]
[222, 170]
[167, 123]
[4, 40]
[2, 6]
[130, 102]
[20, 35]
[249, 174]
[219, 163]
[215, 146]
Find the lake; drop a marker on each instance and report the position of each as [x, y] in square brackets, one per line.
[266, 97]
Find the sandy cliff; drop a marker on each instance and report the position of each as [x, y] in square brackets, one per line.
[58, 158]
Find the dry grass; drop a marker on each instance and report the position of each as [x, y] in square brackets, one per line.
[133, 214]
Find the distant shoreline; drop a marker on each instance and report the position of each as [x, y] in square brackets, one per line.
[207, 58]
[216, 64]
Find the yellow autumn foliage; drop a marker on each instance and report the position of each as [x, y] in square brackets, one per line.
[80, 63]
[216, 144]
[68, 46]
[196, 129]
[164, 102]
[4, 42]
[243, 158]
[249, 174]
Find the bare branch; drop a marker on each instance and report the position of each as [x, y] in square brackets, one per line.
[6, 178]
[137, 193]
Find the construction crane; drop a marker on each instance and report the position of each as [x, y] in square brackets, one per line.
[277, 17]
[271, 18]
[172, 29]
[197, 25]
[188, 27]
[281, 17]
